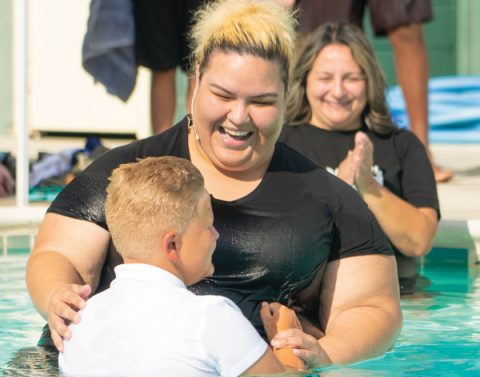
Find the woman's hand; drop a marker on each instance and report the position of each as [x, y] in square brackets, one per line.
[346, 170]
[362, 156]
[63, 309]
[356, 168]
[305, 347]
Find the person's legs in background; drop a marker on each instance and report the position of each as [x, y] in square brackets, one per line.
[161, 45]
[402, 22]
[411, 66]
[163, 99]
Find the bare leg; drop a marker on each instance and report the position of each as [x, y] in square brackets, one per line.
[411, 62]
[276, 318]
[163, 99]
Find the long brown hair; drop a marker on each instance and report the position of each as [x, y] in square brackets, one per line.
[375, 115]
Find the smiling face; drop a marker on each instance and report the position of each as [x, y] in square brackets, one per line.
[336, 89]
[238, 110]
[198, 243]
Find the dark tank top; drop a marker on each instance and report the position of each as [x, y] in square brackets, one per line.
[274, 242]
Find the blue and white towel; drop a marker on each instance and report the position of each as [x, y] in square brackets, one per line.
[454, 109]
[108, 52]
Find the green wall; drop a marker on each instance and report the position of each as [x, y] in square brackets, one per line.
[6, 53]
[468, 37]
[440, 38]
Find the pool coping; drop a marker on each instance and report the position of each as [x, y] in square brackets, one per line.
[462, 236]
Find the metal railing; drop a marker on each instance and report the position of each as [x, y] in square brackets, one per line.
[20, 215]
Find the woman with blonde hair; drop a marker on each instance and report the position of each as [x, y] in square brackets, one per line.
[338, 117]
[289, 231]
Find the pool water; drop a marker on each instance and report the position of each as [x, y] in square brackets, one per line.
[440, 335]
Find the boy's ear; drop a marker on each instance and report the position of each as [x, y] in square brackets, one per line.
[171, 245]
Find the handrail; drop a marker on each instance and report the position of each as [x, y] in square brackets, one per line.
[21, 213]
[21, 101]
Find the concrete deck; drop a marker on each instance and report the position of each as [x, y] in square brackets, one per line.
[460, 200]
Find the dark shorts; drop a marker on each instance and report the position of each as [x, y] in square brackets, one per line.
[161, 32]
[385, 15]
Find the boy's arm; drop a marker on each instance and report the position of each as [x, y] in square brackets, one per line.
[232, 343]
[360, 313]
[267, 364]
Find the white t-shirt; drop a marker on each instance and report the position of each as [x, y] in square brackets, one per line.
[147, 323]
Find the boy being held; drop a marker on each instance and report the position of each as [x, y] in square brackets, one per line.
[147, 323]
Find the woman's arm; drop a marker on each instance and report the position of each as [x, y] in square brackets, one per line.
[64, 268]
[359, 310]
[409, 228]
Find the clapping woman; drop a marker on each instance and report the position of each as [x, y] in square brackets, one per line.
[337, 116]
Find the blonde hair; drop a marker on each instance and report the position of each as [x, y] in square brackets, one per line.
[258, 27]
[375, 115]
[147, 198]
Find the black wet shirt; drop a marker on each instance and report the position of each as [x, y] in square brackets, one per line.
[273, 242]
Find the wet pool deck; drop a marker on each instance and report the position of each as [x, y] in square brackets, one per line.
[459, 198]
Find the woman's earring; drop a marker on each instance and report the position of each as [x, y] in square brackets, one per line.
[197, 138]
[191, 125]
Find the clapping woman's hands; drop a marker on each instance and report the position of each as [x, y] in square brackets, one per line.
[362, 156]
[356, 168]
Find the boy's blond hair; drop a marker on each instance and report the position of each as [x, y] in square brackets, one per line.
[147, 198]
[258, 27]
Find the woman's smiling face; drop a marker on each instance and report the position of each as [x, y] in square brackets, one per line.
[238, 110]
[336, 89]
